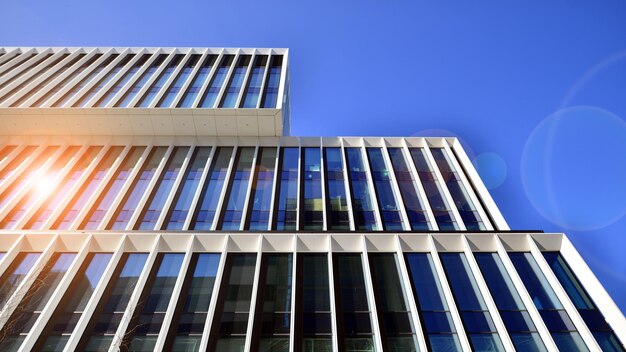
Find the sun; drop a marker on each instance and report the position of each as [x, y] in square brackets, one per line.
[43, 184]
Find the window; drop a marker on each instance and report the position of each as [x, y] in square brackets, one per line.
[415, 209]
[84, 81]
[312, 212]
[26, 67]
[157, 85]
[213, 90]
[15, 273]
[286, 214]
[387, 203]
[362, 206]
[23, 157]
[235, 198]
[337, 215]
[262, 189]
[253, 89]
[212, 190]
[122, 81]
[82, 102]
[231, 94]
[172, 91]
[198, 81]
[132, 92]
[270, 95]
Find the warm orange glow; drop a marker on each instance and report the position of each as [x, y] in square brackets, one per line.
[43, 184]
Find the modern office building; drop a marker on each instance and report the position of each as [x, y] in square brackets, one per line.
[151, 199]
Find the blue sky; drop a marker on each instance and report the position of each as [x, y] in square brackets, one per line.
[535, 89]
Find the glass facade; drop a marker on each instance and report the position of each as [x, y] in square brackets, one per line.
[193, 91]
[387, 202]
[286, 213]
[212, 189]
[262, 189]
[255, 81]
[414, 206]
[337, 211]
[132, 92]
[122, 81]
[91, 93]
[213, 90]
[235, 198]
[312, 211]
[270, 95]
[362, 205]
[71, 93]
[15, 273]
[231, 94]
[158, 84]
[175, 87]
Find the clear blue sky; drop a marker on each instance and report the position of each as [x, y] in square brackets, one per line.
[536, 89]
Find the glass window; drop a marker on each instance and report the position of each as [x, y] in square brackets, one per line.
[262, 188]
[287, 198]
[172, 91]
[15, 273]
[152, 211]
[78, 202]
[475, 315]
[132, 92]
[273, 312]
[555, 317]
[13, 64]
[230, 321]
[270, 94]
[122, 81]
[213, 90]
[145, 325]
[232, 211]
[61, 324]
[22, 157]
[415, 209]
[313, 315]
[337, 214]
[387, 203]
[24, 68]
[34, 301]
[354, 326]
[61, 85]
[212, 190]
[434, 312]
[229, 100]
[312, 213]
[193, 304]
[441, 210]
[458, 191]
[103, 81]
[107, 317]
[253, 89]
[132, 196]
[63, 189]
[512, 310]
[593, 318]
[49, 78]
[158, 84]
[85, 81]
[37, 72]
[394, 315]
[182, 201]
[362, 206]
[193, 90]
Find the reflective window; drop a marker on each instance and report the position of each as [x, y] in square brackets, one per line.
[440, 208]
[312, 212]
[230, 321]
[145, 325]
[158, 84]
[394, 315]
[69, 78]
[229, 100]
[107, 317]
[337, 214]
[84, 81]
[273, 312]
[594, 320]
[61, 324]
[103, 81]
[286, 213]
[154, 205]
[213, 90]
[122, 81]
[518, 323]
[193, 304]
[458, 191]
[49, 78]
[262, 188]
[475, 315]
[212, 190]
[23, 68]
[270, 94]
[22, 157]
[15, 273]
[235, 197]
[415, 208]
[354, 326]
[30, 79]
[435, 315]
[132, 92]
[555, 317]
[313, 315]
[133, 194]
[174, 88]
[362, 206]
[253, 89]
[34, 301]
[78, 202]
[63, 189]
[198, 81]
[182, 201]
[387, 203]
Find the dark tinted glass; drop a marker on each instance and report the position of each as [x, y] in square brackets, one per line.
[262, 189]
[287, 197]
[312, 212]
[338, 217]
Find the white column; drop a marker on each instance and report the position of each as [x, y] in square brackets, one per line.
[255, 161]
[219, 277]
[253, 299]
[369, 289]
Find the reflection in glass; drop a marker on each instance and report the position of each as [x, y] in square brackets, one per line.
[231, 94]
[15, 273]
[84, 82]
[22, 157]
[122, 81]
[230, 321]
[286, 214]
[132, 92]
[353, 313]
[388, 205]
[362, 206]
[212, 190]
[262, 187]
[61, 324]
[196, 84]
[172, 90]
[253, 89]
[213, 90]
[270, 95]
[415, 209]
[434, 312]
[312, 213]
[158, 84]
[108, 76]
[236, 192]
[145, 325]
[337, 214]
[37, 72]
[107, 317]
